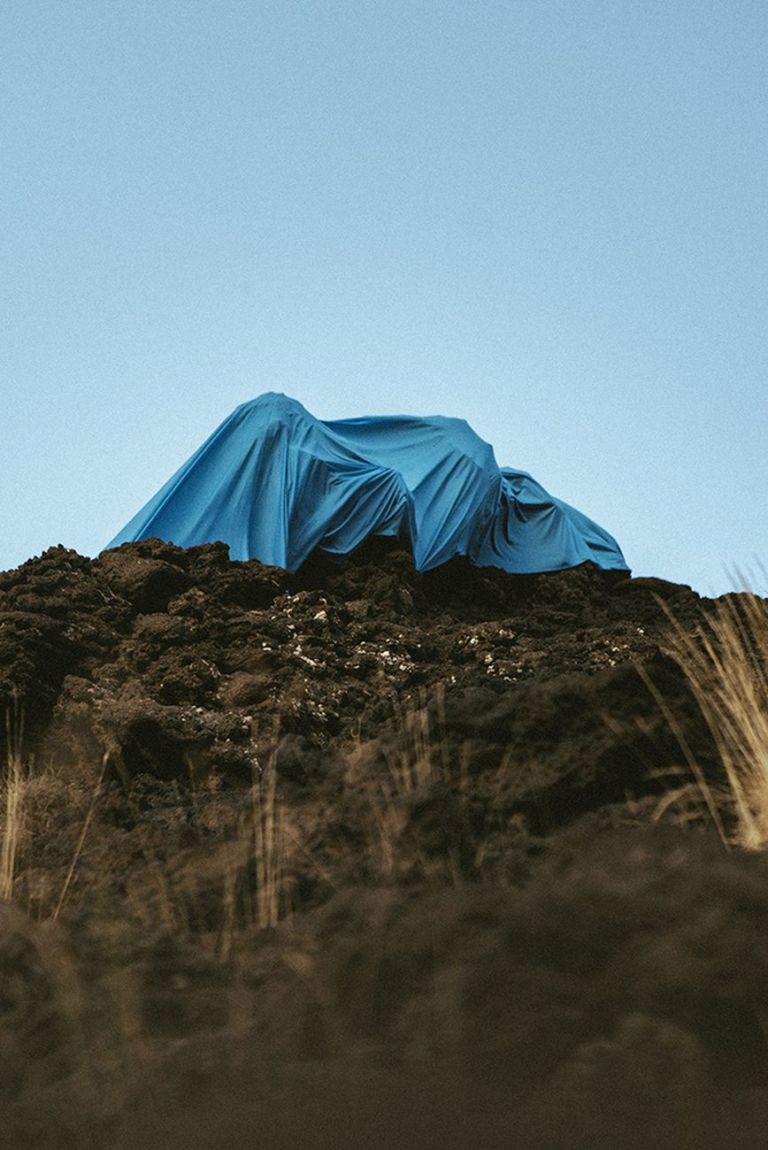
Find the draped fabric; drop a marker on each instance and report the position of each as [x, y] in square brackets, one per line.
[274, 483]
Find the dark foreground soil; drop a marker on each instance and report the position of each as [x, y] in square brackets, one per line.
[362, 857]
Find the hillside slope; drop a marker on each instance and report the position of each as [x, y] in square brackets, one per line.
[365, 855]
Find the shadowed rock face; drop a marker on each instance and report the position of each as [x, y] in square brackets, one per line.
[358, 842]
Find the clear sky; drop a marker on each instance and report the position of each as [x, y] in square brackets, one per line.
[545, 216]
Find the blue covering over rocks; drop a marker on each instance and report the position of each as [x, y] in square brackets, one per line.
[274, 483]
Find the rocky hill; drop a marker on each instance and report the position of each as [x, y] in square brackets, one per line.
[365, 856]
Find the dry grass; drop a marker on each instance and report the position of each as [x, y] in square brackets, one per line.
[726, 664]
[81, 840]
[242, 880]
[411, 763]
[12, 794]
[269, 845]
[395, 774]
[233, 875]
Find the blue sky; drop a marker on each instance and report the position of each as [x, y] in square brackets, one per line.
[546, 217]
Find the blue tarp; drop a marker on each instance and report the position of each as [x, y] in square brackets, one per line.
[274, 483]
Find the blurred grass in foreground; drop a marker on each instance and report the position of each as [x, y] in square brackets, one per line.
[725, 662]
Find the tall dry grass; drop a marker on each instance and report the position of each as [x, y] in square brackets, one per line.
[269, 847]
[243, 879]
[725, 662]
[410, 763]
[12, 792]
[396, 772]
